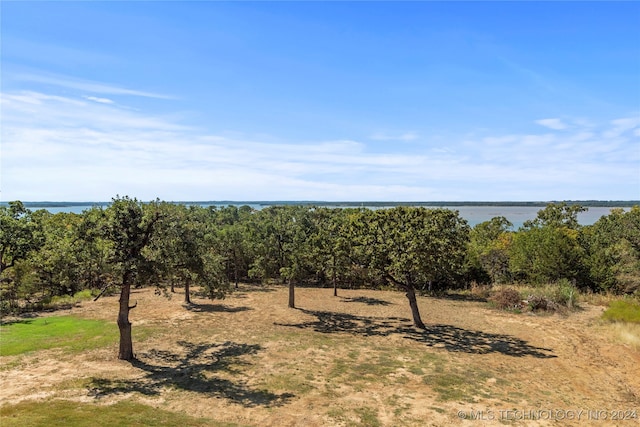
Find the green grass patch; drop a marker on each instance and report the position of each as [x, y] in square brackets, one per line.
[359, 417]
[623, 311]
[373, 369]
[368, 416]
[377, 367]
[290, 383]
[395, 401]
[67, 332]
[63, 413]
[466, 385]
[338, 414]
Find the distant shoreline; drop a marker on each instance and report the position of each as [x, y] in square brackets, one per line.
[585, 203]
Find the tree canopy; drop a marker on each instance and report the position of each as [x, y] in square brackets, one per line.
[414, 249]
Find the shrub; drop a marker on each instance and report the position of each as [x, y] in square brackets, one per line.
[559, 296]
[540, 302]
[565, 294]
[507, 299]
[480, 291]
[85, 294]
[5, 307]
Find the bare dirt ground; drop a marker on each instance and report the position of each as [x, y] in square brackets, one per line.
[349, 360]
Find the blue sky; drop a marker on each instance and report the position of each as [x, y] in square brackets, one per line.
[333, 101]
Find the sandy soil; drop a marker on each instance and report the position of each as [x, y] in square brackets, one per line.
[348, 360]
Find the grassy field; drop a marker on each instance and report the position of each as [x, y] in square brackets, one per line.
[60, 413]
[67, 332]
[351, 360]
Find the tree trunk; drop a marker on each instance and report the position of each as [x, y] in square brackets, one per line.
[235, 274]
[413, 303]
[292, 294]
[335, 285]
[334, 279]
[411, 296]
[126, 344]
[187, 293]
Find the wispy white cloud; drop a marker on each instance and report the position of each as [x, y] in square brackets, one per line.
[44, 111]
[99, 100]
[86, 85]
[555, 124]
[620, 126]
[63, 148]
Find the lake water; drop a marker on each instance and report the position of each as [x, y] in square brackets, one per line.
[517, 215]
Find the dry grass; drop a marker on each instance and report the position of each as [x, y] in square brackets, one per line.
[599, 299]
[626, 333]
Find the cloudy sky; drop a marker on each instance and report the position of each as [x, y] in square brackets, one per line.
[335, 101]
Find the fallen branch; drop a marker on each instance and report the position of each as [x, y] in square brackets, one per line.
[107, 286]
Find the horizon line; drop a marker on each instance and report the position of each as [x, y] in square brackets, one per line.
[343, 202]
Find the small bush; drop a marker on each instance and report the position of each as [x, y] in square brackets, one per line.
[553, 297]
[84, 295]
[565, 294]
[507, 299]
[540, 303]
[480, 291]
[5, 308]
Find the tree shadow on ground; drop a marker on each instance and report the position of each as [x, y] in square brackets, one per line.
[366, 300]
[448, 337]
[214, 308]
[198, 368]
[456, 339]
[7, 322]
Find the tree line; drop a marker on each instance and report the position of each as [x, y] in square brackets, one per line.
[414, 249]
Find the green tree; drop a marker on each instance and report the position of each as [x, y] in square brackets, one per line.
[93, 252]
[129, 226]
[613, 244]
[557, 215]
[296, 246]
[487, 256]
[330, 245]
[67, 261]
[549, 248]
[186, 250]
[415, 248]
[19, 234]
[233, 240]
[281, 241]
[267, 234]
